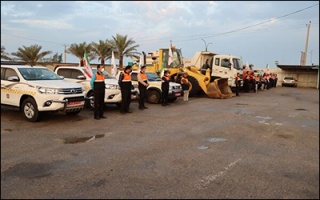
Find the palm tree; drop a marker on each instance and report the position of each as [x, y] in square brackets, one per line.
[124, 47]
[31, 55]
[4, 55]
[78, 51]
[102, 50]
[56, 58]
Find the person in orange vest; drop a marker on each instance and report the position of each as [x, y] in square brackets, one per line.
[165, 79]
[185, 86]
[98, 86]
[125, 86]
[143, 83]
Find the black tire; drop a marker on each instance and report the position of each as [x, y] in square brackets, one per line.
[153, 96]
[194, 88]
[30, 110]
[90, 102]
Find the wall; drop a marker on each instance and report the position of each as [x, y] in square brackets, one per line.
[306, 78]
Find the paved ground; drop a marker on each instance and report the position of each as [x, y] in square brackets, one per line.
[263, 145]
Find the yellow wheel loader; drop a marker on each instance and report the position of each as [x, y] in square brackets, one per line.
[200, 80]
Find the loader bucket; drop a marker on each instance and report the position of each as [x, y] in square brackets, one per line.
[219, 89]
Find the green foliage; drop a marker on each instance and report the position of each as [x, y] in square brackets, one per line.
[4, 55]
[102, 50]
[31, 55]
[122, 46]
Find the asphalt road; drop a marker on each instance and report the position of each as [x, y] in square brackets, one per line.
[263, 145]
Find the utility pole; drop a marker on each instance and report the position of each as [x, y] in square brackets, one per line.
[306, 47]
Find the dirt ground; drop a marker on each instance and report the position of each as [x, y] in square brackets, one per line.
[257, 145]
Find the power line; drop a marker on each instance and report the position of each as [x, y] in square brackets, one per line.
[33, 39]
[258, 24]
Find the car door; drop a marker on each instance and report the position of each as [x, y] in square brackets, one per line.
[10, 94]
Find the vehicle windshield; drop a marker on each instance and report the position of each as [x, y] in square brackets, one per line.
[288, 78]
[106, 74]
[176, 58]
[34, 74]
[237, 64]
[153, 77]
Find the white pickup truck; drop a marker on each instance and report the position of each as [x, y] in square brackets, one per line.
[78, 74]
[37, 89]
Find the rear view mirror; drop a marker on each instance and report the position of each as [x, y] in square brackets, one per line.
[13, 78]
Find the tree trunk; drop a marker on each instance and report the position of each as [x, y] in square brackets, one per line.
[81, 62]
[121, 62]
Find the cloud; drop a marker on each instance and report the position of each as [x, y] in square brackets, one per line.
[50, 24]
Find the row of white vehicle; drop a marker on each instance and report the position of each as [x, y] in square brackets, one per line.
[37, 89]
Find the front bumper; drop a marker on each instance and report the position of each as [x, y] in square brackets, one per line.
[174, 95]
[69, 104]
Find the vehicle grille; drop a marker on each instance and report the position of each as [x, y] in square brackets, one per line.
[176, 87]
[74, 99]
[70, 91]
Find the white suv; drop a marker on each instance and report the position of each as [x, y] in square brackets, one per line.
[37, 89]
[78, 74]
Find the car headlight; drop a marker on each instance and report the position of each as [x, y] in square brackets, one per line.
[112, 87]
[44, 90]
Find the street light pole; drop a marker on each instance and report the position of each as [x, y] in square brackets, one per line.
[205, 44]
[208, 45]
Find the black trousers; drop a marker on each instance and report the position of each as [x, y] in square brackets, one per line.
[237, 87]
[126, 99]
[98, 102]
[143, 95]
[164, 96]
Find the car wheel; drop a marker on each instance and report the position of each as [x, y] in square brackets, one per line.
[30, 110]
[153, 96]
[90, 101]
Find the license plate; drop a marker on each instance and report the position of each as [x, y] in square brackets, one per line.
[178, 94]
[71, 103]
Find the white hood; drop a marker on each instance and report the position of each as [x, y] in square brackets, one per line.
[112, 81]
[55, 84]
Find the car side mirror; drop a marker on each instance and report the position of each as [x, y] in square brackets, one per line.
[13, 78]
[62, 77]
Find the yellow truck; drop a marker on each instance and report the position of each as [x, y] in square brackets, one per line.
[216, 81]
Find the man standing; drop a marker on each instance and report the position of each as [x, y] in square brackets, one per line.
[165, 79]
[143, 84]
[125, 85]
[98, 86]
[185, 86]
[237, 83]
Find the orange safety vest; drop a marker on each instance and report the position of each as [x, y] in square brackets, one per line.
[143, 76]
[99, 78]
[126, 77]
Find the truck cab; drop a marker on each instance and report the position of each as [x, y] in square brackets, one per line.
[220, 66]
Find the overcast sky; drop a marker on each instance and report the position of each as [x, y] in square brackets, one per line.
[259, 32]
